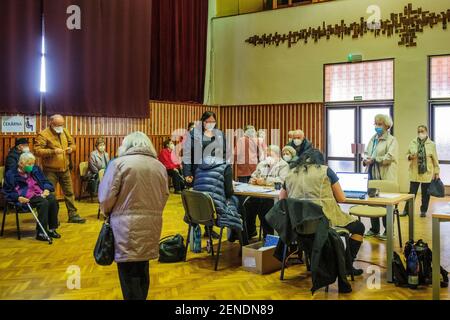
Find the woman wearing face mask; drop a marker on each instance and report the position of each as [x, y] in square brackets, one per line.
[98, 160]
[299, 142]
[290, 155]
[28, 185]
[381, 159]
[202, 142]
[271, 170]
[168, 158]
[246, 154]
[423, 167]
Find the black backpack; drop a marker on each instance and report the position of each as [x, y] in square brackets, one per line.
[425, 257]
[399, 271]
[172, 249]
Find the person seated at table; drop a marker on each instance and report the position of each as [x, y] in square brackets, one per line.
[215, 177]
[268, 172]
[168, 158]
[27, 184]
[312, 180]
[98, 160]
[289, 155]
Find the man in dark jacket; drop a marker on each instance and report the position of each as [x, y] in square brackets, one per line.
[300, 143]
[12, 159]
[28, 185]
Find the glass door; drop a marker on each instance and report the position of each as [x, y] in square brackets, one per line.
[349, 130]
[440, 132]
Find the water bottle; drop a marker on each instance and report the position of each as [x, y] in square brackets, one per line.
[413, 269]
[197, 239]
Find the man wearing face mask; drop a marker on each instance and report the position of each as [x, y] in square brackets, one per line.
[246, 154]
[55, 145]
[423, 167]
[381, 159]
[12, 160]
[300, 143]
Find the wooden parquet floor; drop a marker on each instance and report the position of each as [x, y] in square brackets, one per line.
[35, 270]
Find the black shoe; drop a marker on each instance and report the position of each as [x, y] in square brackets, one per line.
[252, 234]
[53, 234]
[356, 272]
[41, 237]
[177, 192]
[76, 219]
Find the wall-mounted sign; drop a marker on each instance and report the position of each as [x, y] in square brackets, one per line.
[405, 25]
[30, 124]
[14, 124]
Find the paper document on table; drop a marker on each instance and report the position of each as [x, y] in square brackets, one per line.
[250, 188]
[389, 195]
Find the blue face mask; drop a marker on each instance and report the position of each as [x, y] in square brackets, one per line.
[379, 130]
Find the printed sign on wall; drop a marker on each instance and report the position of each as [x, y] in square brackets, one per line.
[13, 124]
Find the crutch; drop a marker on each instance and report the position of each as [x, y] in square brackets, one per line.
[50, 241]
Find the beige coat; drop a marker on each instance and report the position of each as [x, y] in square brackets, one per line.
[432, 162]
[134, 192]
[314, 185]
[46, 143]
[272, 174]
[386, 155]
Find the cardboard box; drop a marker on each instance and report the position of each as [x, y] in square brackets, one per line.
[259, 261]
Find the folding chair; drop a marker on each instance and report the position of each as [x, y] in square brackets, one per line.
[200, 210]
[84, 178]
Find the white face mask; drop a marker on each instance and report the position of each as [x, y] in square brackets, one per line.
[171, 146]
[287, 157]
[101, 149]
[25, 149]
[250, 133]
[210, 125]
[298, 142]
[270, 160]
[422, 136]
[58, 130]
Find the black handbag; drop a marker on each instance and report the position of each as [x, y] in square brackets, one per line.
[172, 249]
[104, 248]
[436, 189]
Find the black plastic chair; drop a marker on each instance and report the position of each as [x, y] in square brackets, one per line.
[200, 210]
[9, 206]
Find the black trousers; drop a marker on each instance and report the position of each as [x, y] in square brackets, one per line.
[134, 279]
[413, 188]
[47, 209]
[376, 224]
[177, 179]
[258, 207]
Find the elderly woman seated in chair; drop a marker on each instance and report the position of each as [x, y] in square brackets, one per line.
[28, 185]
[312, 180]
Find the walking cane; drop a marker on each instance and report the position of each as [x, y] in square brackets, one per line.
[50, 241]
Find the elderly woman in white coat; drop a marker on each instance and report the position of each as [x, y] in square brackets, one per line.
[381, 160]
[133, 193]
[423, 167]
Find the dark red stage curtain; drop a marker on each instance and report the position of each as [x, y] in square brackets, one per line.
[20, 54]
[103, 68]
[179, 41]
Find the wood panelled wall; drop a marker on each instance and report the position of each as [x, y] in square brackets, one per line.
[167, 118]
[285, 117]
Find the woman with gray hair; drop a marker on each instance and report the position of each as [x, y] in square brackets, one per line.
[381, 159]
[133, 194]
[27, 184]
[273, 169]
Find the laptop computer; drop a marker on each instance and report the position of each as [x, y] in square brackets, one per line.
[354, 185]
